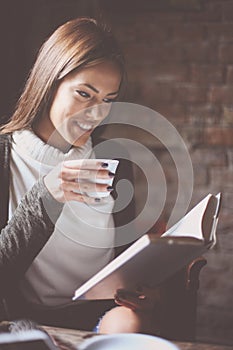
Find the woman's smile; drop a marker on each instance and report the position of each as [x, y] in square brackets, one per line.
[83, 125]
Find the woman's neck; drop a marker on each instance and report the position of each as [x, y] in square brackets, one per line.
[45, 130]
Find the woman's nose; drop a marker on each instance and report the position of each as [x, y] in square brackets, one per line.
[98, 111]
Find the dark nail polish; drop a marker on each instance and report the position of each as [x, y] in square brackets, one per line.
[104, 165]
[97, 199]
[111, 174]
[109, 188]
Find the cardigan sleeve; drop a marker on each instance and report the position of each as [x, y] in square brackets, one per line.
[27, 232]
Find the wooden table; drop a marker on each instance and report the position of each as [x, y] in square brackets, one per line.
[76, 337]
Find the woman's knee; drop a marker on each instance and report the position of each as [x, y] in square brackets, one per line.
[122, 320]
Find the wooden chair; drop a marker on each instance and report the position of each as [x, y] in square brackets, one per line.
[178, 307]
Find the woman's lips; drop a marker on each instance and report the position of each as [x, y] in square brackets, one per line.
[84, 126]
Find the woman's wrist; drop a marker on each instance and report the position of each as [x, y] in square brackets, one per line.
[52, 207]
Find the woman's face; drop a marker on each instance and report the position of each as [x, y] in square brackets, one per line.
[82, 100]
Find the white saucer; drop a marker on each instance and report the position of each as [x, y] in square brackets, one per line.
[127, 341]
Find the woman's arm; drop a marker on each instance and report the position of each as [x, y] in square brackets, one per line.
[27, 232]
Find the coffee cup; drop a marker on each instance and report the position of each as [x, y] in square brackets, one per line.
[111, 166]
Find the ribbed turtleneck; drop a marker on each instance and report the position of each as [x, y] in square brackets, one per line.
[31, 146]
[82, 241]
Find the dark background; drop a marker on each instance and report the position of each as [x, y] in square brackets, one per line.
[180, 62]
[24, 25]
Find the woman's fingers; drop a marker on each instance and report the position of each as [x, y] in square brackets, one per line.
[84, 174]
[84, 187]
[72, 196]
[67, 183]
[133, 300]
[145, 299]
[151, 293]
[85, 164]
[85, 169]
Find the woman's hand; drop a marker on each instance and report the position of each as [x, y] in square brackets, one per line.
[143, 300]
[136, 313]
[73, 180]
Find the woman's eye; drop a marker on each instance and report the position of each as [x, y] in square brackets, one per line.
[109, 100]
[83, 94]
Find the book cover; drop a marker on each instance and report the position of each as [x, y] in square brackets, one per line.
[150, 260]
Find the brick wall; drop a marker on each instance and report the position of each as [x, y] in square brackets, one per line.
[180, 63]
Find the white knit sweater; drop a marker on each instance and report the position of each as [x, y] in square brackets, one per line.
[83, 239]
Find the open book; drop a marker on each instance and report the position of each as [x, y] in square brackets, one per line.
[150, 260]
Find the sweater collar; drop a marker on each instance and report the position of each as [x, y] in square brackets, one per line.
[32, 146]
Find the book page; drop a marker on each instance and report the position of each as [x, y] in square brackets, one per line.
[191, 225]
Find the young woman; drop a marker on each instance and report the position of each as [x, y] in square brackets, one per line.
[77, 76]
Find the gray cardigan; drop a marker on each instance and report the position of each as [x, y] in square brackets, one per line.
[27, 232]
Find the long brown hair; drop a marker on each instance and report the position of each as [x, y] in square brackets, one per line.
[78, 43]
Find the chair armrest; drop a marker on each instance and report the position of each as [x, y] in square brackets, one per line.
[193, 272]
[179, 303]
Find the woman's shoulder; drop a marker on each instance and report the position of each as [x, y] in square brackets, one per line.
[4, 136]
[5, 146]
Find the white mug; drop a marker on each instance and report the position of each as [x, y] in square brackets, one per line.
[112, 167]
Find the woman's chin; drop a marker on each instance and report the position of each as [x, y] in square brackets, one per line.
[82, 139]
